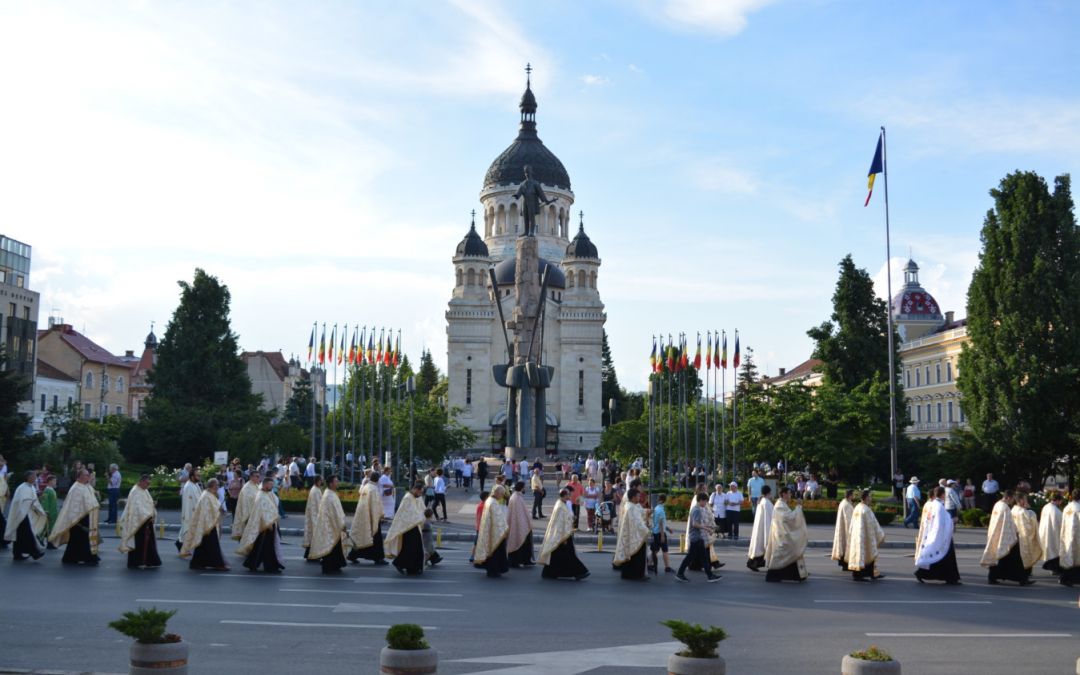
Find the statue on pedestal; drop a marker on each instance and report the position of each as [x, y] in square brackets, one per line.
[532, 196]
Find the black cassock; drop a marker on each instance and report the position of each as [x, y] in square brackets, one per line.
[943, 570]
[564, 563]
[497, 563]
[373, 552]
[264, 552]
[79, 548]
[410, 559]
[26, 544]
[145, 552]
[1010, 568]
[333, 561]
[207, 555]
[523, 555]
[789, 573]
[634, 568]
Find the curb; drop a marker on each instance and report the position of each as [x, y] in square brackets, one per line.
[28, 671]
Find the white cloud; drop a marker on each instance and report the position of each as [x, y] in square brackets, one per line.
[719, 175]
[594, 80]
[722, 17]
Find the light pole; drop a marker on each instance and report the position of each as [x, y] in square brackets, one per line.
[410, 389]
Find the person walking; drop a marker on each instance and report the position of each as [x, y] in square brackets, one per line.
[113, 490]
[660, 532]
[935, 555]
[733, 500]
[913, 499]
[718, 504]
[440, 496]
[1050, 533]
[701, 526]
[536, 484]
[481, 472]
[753, 486]
[592, 494]
[864, 538]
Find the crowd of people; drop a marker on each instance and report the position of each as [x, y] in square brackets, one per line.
[1016, 538]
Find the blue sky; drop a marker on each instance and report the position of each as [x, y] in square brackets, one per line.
[322, 158]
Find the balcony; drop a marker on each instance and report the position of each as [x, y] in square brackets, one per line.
[933, 427]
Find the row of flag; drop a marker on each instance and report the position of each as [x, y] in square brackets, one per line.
[384, 350]
[676, 356]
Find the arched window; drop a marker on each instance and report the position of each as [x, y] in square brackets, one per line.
[552, 220]
[89, 380]
[515, 222]
[471, 277]
[120, 384]
[581, 278]
[592, 279]
[570, 280]
[489, 217]
[500, 220]
[105, 381]
[459, 276]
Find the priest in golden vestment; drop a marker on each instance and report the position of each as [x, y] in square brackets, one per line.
[311, 515]
[328, 538]
[632, 535]
[935, 554]
[1050, 533]
[843, 526]
[1069, 557]
[759, 533]
[490, 550]
[77, 524]
[864, 537]
[201, 541]
[1002, 552]
[557, 553]
[137, 527]
[27, 520]
[519, 544]
[365, 535]
[261, 543]
[787, 541]
[244, 504]
[404, 541]
[1027, 533]
[190, 491]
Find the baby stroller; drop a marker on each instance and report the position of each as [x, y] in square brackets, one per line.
[605, 516]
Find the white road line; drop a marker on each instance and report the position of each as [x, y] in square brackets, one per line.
[972, 635]
[357, 608]
[234, 602]
[324, 590]
[296, 624]
[906, 602]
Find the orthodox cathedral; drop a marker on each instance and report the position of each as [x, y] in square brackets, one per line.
[574, 316]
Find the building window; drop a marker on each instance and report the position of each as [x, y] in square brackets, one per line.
[581, 388]
[468, 386]
[909, 415]
[15, 344]
[937, 374]
[929, 410]
[918, 413]
[948, 408]
[26, 313]
[55, 401]
[918, 377]
[104, 410]
[963, 418]
[120, 384]
[87, 411]
[89, 381]
[120, 410]
[71, 400]
[11, 309]
[939, 412]
[948, 371]
[928, 375]
[20, 281]
[43, 403]
[907, 378]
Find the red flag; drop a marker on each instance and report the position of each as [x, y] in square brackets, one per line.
[683, 360]
[397, 350]
[708, 354]
[322, 346]
[697, 354]
[723, 356]
[735, 361]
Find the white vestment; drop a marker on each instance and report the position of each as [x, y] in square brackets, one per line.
[1050, 531]
[935, 535]
[759, 534]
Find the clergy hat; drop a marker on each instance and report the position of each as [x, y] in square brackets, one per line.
[914, 479]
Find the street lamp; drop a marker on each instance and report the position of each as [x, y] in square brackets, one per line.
[410, 389]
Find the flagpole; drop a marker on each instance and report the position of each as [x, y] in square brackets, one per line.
[708, 372]
[322, 406]
[723, 408]
[888, 285]
[735, 411]
[311, 379]
[652, 402]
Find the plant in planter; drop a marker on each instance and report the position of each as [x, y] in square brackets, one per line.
[870, 661]
[407, 651]
[699, 657]
[154, 650]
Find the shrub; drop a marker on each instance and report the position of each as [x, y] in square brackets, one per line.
[972, 517]
[872, 653]
[984, 521]
[146, 625]
[407, 636]
[700, 642]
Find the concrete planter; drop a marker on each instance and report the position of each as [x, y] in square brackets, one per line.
[408, 661]
[852, 666]
[159, 659]
[1077, 666]
[685, 665]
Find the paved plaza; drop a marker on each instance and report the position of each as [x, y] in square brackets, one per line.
[239, 622]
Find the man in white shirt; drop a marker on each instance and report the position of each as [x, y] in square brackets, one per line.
[912, 498]
[387, 494]
[733, 500]
[508, 470]
[294, 474]
[523, 469]
[718, 504]
[466, 474]
[754, 486]
[440, 495]
[309, 473]
[990, 490]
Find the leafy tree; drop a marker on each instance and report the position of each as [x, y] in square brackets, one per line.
[436, 434]
[201, 392]
[298, 408]
[72, 437]
[1020, 373]
[625, 441]
[748, 373]
[609, 387]
[16, 446]
[428, 377]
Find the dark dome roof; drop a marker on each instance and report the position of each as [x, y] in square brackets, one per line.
[472, 246]
[151, 341]
[527, 150]
[504, 273]
[581, 246]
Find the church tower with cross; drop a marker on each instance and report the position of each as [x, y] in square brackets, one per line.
[573, 316]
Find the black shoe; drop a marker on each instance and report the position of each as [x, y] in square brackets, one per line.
[1027, 582]
[580, 577]
[681, 578]
[953, 583]
[712, 578]
[379, 563]
[991, 580]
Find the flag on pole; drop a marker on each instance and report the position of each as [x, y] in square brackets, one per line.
[652, 356]
[311, 345]
[371, 347]
[341, 351]
[735, 360]
[378, 353]
[708, 353]
[389, 347]
[697, 354]
[322, 346]
[397, 349]
[333, 339]
[723, 355]
[683, 359]
[716, 354]
[352, 345]
[360, 349]
[876, 167]
[670, 354]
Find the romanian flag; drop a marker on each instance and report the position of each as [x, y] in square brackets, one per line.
[876, 167]
[683, 363]
[378, 354]
[670, 354]
[341, 352]
[723, 354]
[652, 356]
[708, 353]
[697, 354]
[311, 345]
[322, 346]
[352, 347]
[360, 360]
[333, 339]
[387, 354]
[735, 361]
[371, 347]
[397, 350]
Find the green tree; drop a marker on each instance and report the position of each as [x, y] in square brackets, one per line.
[201, 392]
[1020, 373]
[748, 373]
[625, 441]
[609, 387]
[428, 377]
[436, 434]
[16, 446]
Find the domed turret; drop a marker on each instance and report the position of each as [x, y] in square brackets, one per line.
[915, 311]
[151, 339]
[472, 246]
[581, 246]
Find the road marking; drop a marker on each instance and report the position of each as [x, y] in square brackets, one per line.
[324, 590]
[572, 662]
[972, 635]
[297, 624]
[906, 602]
[346, 607]
[234, 602]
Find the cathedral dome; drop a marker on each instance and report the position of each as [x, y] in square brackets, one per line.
[505, 270]
[527, 150]
[913, 302]
[472, 246]
[581, 246]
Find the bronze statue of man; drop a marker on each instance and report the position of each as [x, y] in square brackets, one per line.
[532, 196]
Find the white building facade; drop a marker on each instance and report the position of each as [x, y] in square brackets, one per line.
[573, 317]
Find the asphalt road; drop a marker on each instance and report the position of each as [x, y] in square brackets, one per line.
[55, 617]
